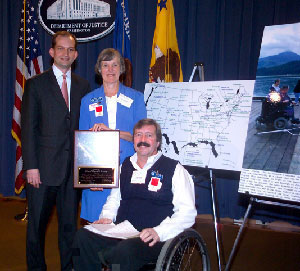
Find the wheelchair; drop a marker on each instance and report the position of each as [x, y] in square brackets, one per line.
[274, 115]
[187, 251]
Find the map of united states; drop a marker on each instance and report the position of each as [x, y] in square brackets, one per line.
[203, 124]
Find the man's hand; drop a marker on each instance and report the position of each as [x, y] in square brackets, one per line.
[33, 177]
[148, 235]
[103, 221]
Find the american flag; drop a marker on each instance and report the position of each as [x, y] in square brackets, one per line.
[29, 63]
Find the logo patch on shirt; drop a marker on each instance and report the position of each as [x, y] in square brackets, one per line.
[96, 100]
[155, 182]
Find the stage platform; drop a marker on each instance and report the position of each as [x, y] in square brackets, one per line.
[263, 247]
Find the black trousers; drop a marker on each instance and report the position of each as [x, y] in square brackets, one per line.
[40, 206]
[91, 251]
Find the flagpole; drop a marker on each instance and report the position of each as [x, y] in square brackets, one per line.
[167, 42]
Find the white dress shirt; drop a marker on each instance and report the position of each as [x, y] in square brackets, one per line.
[277, 88]
[59, 77]
[111, 105]
[183, 200]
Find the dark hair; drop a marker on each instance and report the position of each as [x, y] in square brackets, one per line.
[144, 122]
[285, 87]
[63, 34]
[108, 55]
[277, 81]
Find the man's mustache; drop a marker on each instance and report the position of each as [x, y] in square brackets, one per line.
[143, 144]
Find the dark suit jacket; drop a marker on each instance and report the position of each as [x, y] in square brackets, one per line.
[48, 126]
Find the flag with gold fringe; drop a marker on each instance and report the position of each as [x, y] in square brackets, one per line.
[29, 63]
[122, 29]
[165, 65]
[121, 40]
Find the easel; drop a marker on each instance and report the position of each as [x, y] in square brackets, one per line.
[252, 200]
[200, 67]
[211, 177]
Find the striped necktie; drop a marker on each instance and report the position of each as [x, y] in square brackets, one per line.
[64, 89]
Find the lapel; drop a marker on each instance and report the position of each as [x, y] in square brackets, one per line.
[122, 111]
[73, 92]
[75, 95]
[55, 89]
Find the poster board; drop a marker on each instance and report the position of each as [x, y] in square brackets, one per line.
[271, 164]
[204, 124]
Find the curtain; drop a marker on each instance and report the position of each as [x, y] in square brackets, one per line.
[223, 34]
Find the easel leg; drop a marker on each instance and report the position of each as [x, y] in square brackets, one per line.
[239, 235]
[200, 67]
[215, 218]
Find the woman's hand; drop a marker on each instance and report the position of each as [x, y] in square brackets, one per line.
[103, 221]
[99, 127]
[97, 189]
[102, 127]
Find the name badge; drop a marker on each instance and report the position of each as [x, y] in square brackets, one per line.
[93, 106]
[124, 100]
[99, 111]
[154, 184]
[138, 177]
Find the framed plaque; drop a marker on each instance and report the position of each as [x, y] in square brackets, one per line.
[96, 159]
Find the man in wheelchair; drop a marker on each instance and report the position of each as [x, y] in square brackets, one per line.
[277, 109]
[288, 104]
[156, 195]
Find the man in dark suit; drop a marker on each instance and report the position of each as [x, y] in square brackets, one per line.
[50, 114]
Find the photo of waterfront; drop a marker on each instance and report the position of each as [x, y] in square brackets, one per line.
[279, 58]
[273, 136]
[263, 83]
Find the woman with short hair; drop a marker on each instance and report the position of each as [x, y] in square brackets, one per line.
[113, 106]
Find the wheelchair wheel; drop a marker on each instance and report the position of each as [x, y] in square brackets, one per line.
[187, 251]
[280, 123]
